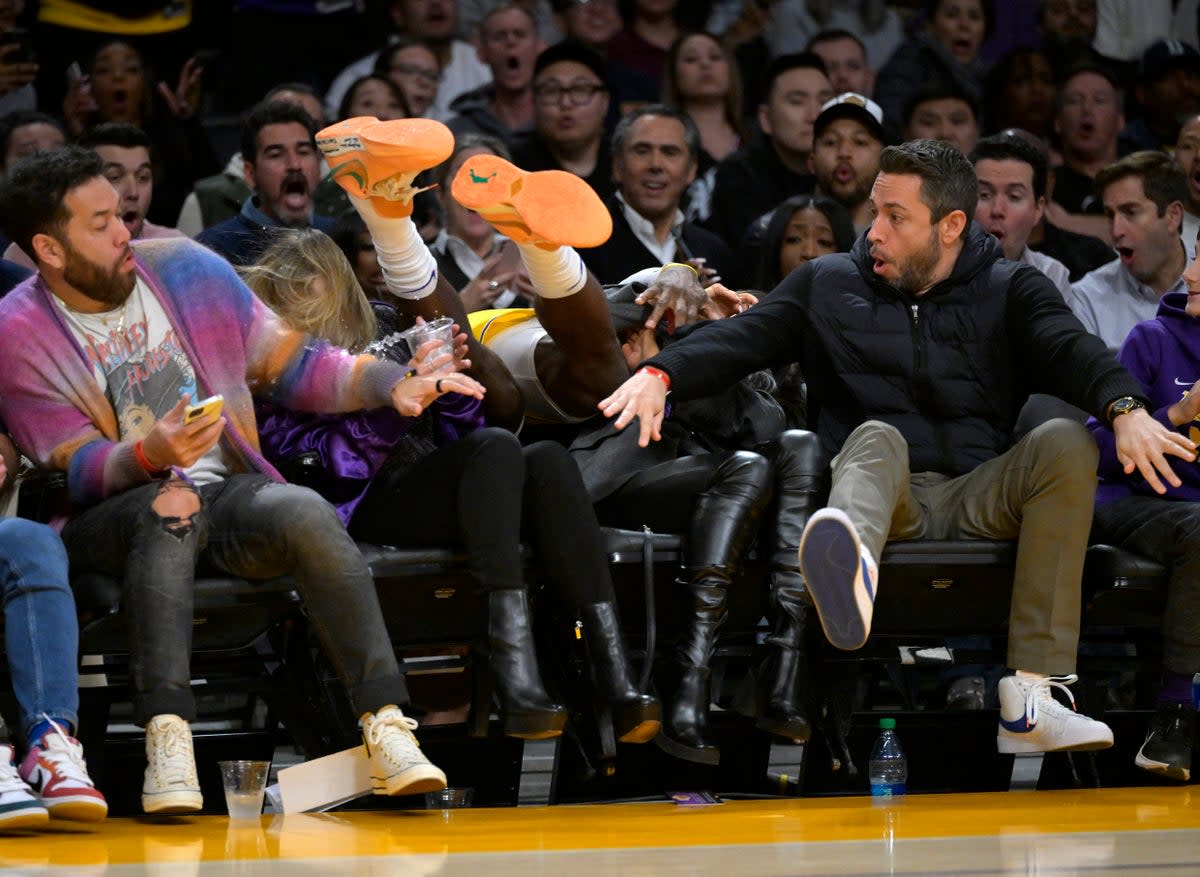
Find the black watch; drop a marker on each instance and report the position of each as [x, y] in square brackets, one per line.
[1123, 406]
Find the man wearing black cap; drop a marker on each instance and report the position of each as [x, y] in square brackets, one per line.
[571, 101]
[1168, 91]
[847, 139]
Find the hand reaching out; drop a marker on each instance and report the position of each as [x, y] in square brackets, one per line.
[413, 395]
[1143, 444]
[676, 289]
[725, 302]
[185, 99]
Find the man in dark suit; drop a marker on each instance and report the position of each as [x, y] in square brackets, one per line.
[655, 151]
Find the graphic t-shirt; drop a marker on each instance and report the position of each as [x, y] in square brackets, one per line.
[138, 361]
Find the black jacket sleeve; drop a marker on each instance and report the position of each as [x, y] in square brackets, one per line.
[1065, 360]
[718, 353]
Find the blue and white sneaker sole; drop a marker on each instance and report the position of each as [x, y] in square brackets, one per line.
[831, 560]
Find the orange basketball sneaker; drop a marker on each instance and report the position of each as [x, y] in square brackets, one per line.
[547, 208]
[379, 160]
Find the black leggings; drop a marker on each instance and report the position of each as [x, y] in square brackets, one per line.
[482, 495]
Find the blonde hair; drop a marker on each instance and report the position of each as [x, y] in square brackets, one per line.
[283, 277]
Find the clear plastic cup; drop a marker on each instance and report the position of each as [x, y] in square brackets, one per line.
[245, 782]
[441, 329]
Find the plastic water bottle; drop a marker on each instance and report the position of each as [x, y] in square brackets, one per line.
[888, 768]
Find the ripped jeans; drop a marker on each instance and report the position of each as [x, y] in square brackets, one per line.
[247, 526]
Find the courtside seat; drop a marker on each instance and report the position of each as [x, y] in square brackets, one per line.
[230, 613]
[1122, 589]
[951, 587]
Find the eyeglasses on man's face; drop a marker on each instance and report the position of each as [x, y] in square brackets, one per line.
[577, 95]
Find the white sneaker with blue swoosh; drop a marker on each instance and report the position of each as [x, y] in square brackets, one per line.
[1031, 720]
[840, 575]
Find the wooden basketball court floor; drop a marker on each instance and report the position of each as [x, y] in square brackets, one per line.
[1152, 831]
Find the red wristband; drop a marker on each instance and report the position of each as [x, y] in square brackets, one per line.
[144, 462]
[658, 373]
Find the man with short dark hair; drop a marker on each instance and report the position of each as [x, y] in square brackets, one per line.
[942, 111]
[845, 59]
[771, 169]
[1012, 200]
[282, 166]
[571, 101]
[1143, 197]
[116, 341]
[655, 154]
[919, 347]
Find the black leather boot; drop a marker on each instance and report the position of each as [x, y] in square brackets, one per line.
[635, 717]
[781, 680]
[526, 709]
[783, 675]
[724, 519]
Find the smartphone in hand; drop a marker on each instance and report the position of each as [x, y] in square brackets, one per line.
[212, 405]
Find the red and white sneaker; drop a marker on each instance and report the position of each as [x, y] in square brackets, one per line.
[56, 772]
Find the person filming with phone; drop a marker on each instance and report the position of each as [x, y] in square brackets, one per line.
[108, 346]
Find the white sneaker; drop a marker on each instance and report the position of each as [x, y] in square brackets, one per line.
[398, 766]
[840, 575]
[1031, 720]
[19, 806]
[171, 785]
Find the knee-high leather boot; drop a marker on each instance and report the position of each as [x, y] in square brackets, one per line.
[636, 717]
[781, 680]
[724, 520]
[526, 709]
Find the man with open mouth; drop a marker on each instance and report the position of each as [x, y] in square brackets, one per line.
[1143, 197]
[283, 169]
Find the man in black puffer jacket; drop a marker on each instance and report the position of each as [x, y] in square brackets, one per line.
[919, 347]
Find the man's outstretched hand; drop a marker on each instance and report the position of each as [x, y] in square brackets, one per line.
[1143, 444]
[643, 396]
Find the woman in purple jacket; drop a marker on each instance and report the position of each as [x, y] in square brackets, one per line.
[464, 483]
[1164, 524]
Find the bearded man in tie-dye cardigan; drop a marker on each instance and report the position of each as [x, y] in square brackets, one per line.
[102, 351]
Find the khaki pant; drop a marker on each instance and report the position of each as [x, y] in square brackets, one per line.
[1039, 492]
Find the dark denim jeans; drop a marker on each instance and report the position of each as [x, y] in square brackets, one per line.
[248, 526]
[41, 634]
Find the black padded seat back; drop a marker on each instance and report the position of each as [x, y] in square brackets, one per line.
[1123, 589]
[944, 587]
[229, 614]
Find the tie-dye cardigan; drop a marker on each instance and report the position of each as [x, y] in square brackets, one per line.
[62, 420]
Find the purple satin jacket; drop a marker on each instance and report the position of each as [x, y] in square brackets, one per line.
[354, 447]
